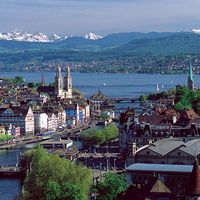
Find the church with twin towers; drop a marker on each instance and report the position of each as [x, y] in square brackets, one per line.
[63, 89]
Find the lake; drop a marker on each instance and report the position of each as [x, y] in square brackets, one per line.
[113, 85]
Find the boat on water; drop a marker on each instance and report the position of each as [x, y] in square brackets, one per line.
[157, 87]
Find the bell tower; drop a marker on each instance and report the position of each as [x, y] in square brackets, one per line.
[58, 83]
[68, 83]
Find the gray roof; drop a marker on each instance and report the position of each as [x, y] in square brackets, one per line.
[143, 167]
[164, 146]
[192, 147]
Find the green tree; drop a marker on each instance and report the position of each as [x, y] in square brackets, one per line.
[110, 132]
[182, 91]
[92, 136]
[96, 137]
[65, 191]
[19, 79]
[110, 186]
[31, 85]
[48, 172]
[104, 116]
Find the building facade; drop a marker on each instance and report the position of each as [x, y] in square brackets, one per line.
[22, 117]
[41, 122]
[63, 90]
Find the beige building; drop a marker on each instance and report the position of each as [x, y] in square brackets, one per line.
[63, 90]
[22, 117]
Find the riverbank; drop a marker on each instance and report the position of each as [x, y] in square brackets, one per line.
[22, 142]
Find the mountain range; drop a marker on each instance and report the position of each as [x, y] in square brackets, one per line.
[18, 35]
[113, 44]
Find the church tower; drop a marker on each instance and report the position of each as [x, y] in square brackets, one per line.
[58, 83]
[42, 82]
[68, 84]
[190, 78]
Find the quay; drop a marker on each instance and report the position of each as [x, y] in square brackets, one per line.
[71, 133]
[21, 143]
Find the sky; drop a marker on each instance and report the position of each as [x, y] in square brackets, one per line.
[78, 17]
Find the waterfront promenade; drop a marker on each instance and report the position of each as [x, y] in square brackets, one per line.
[72, 133]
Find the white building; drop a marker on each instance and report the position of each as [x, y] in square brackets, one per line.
[41, 120]
[52, 121]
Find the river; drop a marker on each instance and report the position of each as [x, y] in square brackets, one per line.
[113, 85]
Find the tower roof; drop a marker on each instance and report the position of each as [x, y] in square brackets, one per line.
[190, 71]
[99, 96]
[194, 185]
[68, 72]
[58, 71]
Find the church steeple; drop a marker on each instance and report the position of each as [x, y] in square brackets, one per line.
[68, 80]
[68, 83]
[58, 83]
[42, 82]
[190, 78]
[191, 71]
[68, 72]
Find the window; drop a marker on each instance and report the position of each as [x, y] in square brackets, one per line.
[148, 153]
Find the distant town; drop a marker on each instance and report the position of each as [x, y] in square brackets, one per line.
[148, 64]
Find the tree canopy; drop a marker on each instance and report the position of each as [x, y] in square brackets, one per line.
[186, 99]
[110, 186]
[51, 177]
[96, 137]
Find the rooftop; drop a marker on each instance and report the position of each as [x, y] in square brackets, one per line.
[143, 167]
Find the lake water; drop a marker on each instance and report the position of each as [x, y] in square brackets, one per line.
[113, 85]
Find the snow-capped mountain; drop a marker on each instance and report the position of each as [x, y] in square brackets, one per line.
[55, 37]
[196, 31]
[18, 35]
[92, 36]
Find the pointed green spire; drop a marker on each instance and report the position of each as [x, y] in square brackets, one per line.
[190, 71]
